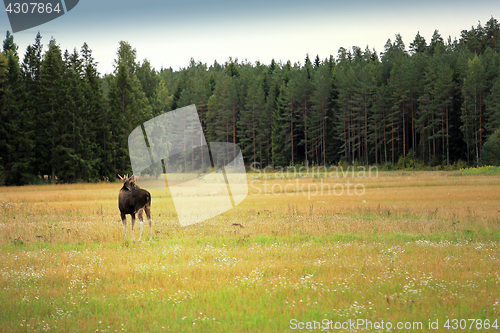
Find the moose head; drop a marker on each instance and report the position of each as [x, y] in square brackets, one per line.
[128, 182]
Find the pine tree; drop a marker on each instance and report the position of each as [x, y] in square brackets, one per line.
[201, 94]
[418, 45]
[379, 123]
[417, 67]
[280, 130]
[398, 84]
[249, 122]
[436, 44]
[320, 105]
[492, 34]
[304, 92]
[231, 106]
[212, 113]
[346, 130]
[443, 94]
[426, 109]
[222, 110]
[472, 108]
[270, 114]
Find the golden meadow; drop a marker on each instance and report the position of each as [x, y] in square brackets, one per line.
[407, 247]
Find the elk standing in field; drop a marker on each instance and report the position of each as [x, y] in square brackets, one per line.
[131, 200]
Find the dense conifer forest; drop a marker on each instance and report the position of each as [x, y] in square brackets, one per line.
[428, 103]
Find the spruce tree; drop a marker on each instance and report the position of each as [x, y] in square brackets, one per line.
[129, 106]
[18, 140]
[97, 118]
[54, 140]
[9, 45]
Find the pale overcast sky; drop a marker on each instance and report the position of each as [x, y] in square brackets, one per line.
[170, 32]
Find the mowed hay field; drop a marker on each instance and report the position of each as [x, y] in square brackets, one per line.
[405, 248]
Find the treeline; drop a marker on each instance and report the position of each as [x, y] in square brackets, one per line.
[434, 103]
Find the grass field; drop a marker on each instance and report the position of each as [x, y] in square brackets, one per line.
[418, 249]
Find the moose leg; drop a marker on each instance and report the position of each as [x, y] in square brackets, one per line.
[133, 222]
[139, 214]
[124, 220]
[147, 209]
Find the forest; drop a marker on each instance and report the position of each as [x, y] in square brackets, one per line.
[433, 103]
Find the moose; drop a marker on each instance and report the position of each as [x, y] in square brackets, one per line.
[134, 200]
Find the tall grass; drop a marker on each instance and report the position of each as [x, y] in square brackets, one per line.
[414, 247]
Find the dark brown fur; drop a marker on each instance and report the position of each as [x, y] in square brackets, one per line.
[134, 200]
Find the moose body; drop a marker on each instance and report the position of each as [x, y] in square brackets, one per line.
[134, 200]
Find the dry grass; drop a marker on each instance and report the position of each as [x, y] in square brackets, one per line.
[413, 247]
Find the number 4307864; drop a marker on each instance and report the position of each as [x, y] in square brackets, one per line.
[470, 324]
[32, 7]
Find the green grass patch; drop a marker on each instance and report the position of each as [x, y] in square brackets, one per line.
[484, 170]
